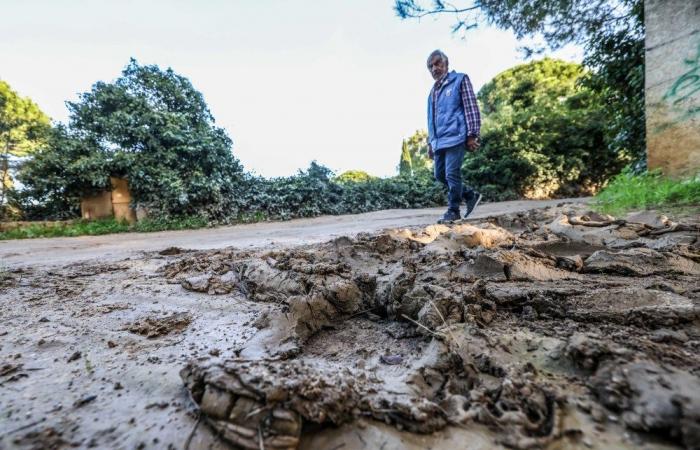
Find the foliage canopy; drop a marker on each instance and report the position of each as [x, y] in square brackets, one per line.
[611, 33]
[23, 128]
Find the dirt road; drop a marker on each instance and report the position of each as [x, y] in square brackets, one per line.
[302, 231]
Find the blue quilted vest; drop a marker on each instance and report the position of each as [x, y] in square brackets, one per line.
[447, 127]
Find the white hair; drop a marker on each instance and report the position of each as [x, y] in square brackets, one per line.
[440, 54]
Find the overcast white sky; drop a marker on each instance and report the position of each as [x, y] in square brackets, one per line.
[337, 81]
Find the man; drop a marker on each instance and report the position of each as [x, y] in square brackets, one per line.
[454, 123]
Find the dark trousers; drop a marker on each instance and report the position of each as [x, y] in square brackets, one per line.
[448, 171]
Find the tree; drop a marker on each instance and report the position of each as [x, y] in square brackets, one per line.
[152, 127]
[23, 128]
[67, 167]
[405, 167]
[354, 176]
[611, 33]
[414, 155]
[543, 134]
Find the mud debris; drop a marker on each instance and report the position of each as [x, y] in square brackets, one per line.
[652, 398]
[47, 438]
[82, 401]
[553, 328]
[211, 284]
[507, 314]
[153, 327]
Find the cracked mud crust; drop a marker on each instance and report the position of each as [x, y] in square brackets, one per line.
[495, 323]
[555, 328]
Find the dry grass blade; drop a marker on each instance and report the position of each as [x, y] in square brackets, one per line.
[444, 322]
[435, 333]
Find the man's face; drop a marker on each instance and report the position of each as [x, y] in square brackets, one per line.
[437, 67]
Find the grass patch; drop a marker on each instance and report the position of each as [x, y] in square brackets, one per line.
[648, 190]
[101, 226]
[182, 223]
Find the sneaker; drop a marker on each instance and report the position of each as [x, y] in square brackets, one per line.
[450, 216]
[472, 200]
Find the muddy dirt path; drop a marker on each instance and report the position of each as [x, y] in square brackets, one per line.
[554, 328]
[295, 232]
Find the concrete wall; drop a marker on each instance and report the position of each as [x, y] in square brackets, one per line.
[114, 203]
[673, 85]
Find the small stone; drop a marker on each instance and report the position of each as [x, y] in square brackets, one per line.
[111, 344]
[529, 313]
[598, 414]
[391, 359]
[74, 356]
[84, 400]
[669, 336]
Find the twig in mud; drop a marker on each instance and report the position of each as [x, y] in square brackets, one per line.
[196, 424]
[359, 436]
[37, 422]
[170, 344]
[255, 411]
[422, 326]
[245, 360]
[361, 312]
[260, 438]
[313, 316]
[674, 227]
[596, 223]
[444, 323]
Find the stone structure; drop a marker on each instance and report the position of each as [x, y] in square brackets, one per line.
[114, 203]
[673, 86]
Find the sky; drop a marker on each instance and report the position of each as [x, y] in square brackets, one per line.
[341, 82]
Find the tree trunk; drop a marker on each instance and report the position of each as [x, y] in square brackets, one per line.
[4, 172]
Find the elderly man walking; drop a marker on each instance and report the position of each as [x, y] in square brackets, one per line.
[454, 123]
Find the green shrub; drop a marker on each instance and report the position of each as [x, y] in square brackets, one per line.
[543, 135]
[316, 192]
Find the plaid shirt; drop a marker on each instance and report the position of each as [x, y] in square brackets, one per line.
[471, 107]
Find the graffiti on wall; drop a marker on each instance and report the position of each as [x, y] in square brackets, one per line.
[685, 88]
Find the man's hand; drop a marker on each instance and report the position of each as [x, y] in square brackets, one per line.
[431, 155]
[472, 143]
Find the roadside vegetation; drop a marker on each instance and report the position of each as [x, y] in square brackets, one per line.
[99, 227]
[649, 190]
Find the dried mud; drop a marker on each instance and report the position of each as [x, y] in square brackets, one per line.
[555, 328]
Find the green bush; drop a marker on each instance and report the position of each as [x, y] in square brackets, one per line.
[149, 126]
[543, 135]
[315, 192]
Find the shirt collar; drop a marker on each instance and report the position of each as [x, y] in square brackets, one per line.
[441, 81]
